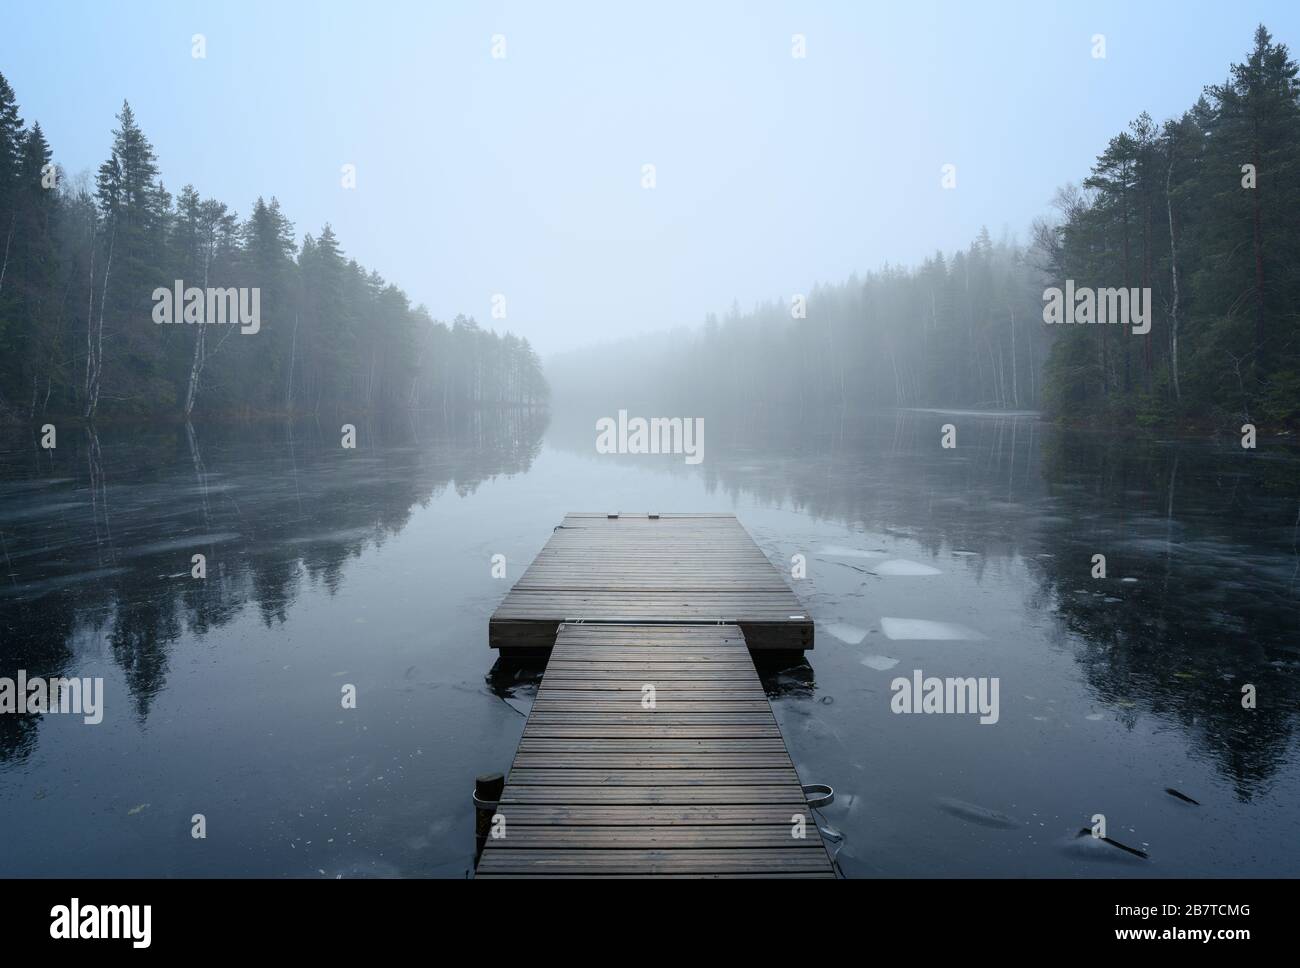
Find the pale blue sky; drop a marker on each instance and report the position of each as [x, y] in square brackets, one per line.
[523, 176]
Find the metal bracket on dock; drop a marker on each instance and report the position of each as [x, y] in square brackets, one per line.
[819, 794]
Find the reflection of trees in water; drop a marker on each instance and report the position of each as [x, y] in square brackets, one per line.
[47, 655]
[269, 505]
[143, 629]
[97, 485]
[1214, 606]
[1210, 534]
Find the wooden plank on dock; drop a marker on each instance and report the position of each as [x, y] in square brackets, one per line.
[646, 569]
[604, 785]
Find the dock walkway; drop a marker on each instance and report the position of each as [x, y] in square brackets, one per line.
[651, 749]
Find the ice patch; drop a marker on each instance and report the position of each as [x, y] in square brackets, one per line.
[847, 633]
[881, 663]
[920, 629]
[903, 567]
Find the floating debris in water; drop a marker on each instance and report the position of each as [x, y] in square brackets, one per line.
[974, 813]
[920, 629]
[1181, 796]
[902, 568]
[1087, 832]
[881, 663]
[137, 809]
[845, 564]
[830, 832]
[847, 633]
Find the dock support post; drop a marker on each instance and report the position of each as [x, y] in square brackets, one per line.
[487, 791]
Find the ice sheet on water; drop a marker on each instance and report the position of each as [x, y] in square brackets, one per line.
[901, 567]
[45, 586]
[839, 551]
[997, 414]
[196, 541]
[49, 510]
[881, 663]
[346, 534]
[922, 629]
[847, 633]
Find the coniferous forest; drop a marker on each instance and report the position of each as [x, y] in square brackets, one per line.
[80, 260]
[1201, 209]
[1198, 209]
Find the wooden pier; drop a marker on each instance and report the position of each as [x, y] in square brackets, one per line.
[651, 569]
[651, 749]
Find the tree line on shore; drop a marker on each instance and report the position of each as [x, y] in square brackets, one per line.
[1202, 211]
[81, 261]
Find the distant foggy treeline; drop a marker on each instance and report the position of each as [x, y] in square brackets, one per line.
[80, 265]
[1165, 207]
[964, 330]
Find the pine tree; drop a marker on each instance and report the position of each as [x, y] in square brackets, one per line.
[1256, 122]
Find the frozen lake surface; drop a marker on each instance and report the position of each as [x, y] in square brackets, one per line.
[372, 569]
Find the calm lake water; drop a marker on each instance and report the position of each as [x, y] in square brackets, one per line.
[372, 567]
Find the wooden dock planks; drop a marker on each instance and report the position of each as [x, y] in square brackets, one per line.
[700, 785]
[640, 568]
